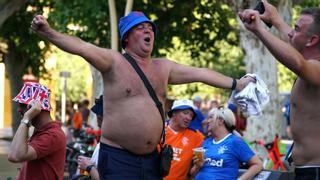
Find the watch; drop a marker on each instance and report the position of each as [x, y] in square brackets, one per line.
[26, 122]
[88, 169]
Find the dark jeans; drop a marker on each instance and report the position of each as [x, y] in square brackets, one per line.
[119, 164]
[311, 173]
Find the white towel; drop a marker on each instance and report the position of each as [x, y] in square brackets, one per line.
[252, 98]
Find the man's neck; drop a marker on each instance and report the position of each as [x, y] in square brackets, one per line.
[313, 54]
[139, 57]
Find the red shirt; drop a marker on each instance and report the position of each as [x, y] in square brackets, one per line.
[50, 145]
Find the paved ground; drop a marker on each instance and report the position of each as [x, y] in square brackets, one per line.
[8, 170]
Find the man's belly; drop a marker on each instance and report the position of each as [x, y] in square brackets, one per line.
[306, 151]
[139, 137]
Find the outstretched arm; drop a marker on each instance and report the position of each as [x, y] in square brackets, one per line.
[98, 57]
[307, 69]
[180, 74]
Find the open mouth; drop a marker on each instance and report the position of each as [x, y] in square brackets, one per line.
[147, 39]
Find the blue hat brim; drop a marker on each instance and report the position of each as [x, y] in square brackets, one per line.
[183, 107]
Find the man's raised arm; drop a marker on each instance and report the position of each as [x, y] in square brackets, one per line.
[98, 57]
[272, 16]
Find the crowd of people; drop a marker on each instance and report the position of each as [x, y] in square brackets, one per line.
[132, 127]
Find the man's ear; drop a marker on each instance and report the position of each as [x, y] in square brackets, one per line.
[314, 40]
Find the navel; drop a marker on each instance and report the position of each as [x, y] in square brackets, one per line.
[128, 92]
[149, 142]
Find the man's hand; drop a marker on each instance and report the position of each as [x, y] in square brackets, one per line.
[243, 82]
[251, 19]
[34, 108]
[270, 14]
[40, 25]
[84, 162]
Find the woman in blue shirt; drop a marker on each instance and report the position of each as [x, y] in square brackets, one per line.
[224, 151]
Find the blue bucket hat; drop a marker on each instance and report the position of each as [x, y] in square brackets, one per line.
[128, 22]
[182, 105]
[97, 108]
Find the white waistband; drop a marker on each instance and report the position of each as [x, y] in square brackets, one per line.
[308, 166]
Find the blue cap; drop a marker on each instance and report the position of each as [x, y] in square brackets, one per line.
[128, 22]
[97, 108]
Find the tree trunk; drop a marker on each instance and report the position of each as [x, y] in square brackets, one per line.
[97, 78]
[113, 22]
[15, 64]
[128, 7]
[259, 61]
[8, 7]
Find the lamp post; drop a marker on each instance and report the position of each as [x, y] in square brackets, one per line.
[64, 75]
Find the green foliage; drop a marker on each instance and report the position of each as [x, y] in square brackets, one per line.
[80, 76]
[203, 32]
[88, 20]
[197, 33]
[310, 3]
[286, 77]
[16, 32]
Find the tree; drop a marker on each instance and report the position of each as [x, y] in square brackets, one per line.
[259, 60]
[8, 7]
[198, 33]
[21, 50]
[202, 31]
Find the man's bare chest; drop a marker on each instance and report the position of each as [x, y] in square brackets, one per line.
[305, 95]
[126, 82]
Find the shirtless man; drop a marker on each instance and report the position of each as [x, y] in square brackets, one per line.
[132, 126]
[301, 56]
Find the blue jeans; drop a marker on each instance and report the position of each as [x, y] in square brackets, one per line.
[310, 173]
[120, 164]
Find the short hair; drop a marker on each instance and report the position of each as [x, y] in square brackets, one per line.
[225, 114]
[315, 13]
[85, 102]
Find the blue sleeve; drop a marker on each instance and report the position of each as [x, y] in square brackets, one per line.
[242, 150]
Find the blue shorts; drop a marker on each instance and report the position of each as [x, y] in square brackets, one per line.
[115, 163]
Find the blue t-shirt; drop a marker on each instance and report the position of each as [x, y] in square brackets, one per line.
[222, 158]
[196, 123]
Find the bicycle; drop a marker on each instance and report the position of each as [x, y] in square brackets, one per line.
[270, 154]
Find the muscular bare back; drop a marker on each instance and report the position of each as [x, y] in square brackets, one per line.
[132, 120]
[305, 123]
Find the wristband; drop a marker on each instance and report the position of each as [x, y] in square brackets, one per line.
[88, 169]
[234, 84]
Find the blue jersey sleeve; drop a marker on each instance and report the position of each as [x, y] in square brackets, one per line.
[242, 150]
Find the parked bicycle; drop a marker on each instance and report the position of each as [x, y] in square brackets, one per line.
[270, 154]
